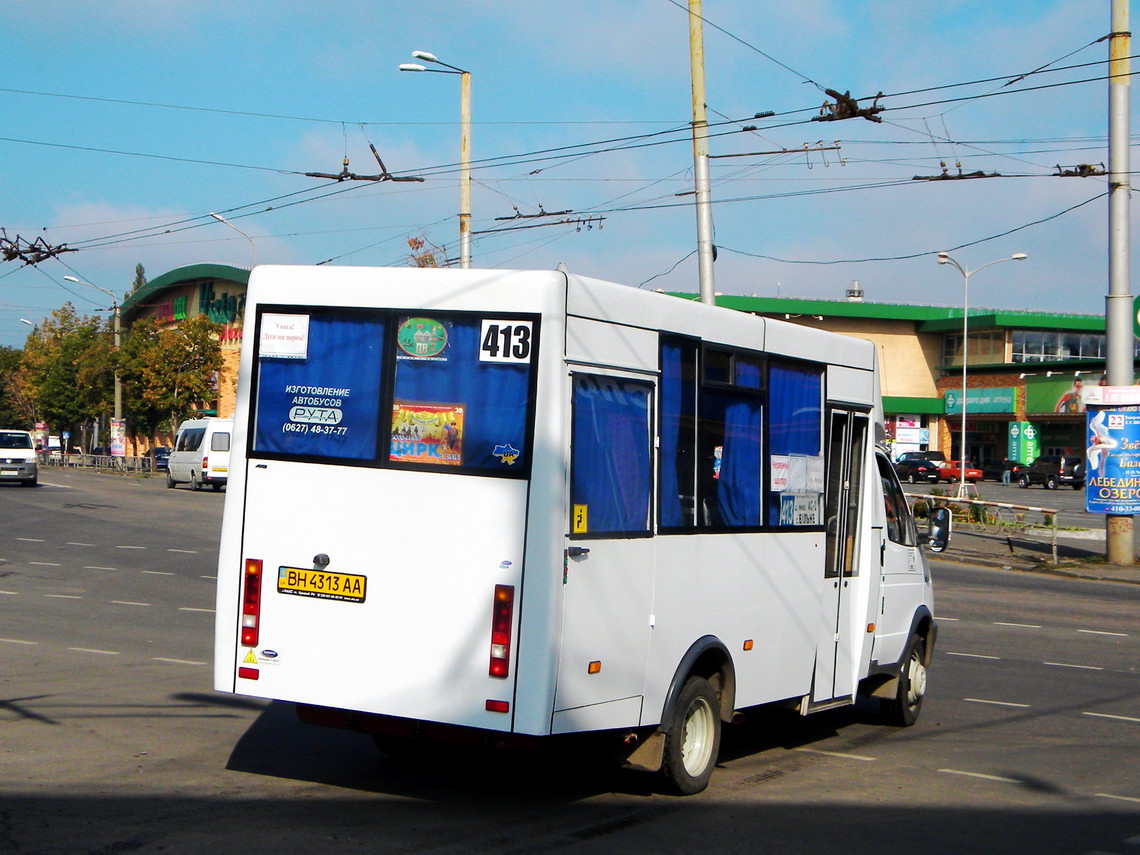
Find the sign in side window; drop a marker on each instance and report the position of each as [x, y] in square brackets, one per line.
[461, 392]
[795, 434]
[611, 472]
[318, 393]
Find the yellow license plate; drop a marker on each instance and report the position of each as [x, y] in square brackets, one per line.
[321, 584]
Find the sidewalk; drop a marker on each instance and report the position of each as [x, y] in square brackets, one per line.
[1078, 558]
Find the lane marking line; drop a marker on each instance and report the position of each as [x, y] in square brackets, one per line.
[971, 655]
[1114, 717]
[1118, 798]
[1018, 625]
[982, 776]
[75, 543]
[45, 564]
[64, 596]
[157, 573]
[177, 661]
[127, 603]
[10, 593]
[91, 650]
[842, 754]
[17, 641]
[187, 551]
[1102, 632]
[100, 568]
[951, 619]
[120, 546]
[1081, 667]
[208, 577]
[996, 703]
[31, 539]
[188, 609]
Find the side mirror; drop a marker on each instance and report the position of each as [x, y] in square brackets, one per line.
[938, 537]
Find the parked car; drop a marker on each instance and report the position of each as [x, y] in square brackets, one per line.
[1052, 470]
[18, 458]
[994, 469]
[913, 470]
[951, 472]
[933, 456]
[158, 458]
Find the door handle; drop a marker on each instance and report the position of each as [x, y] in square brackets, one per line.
[577, 551]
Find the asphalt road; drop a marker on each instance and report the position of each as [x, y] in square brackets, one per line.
[111, 740]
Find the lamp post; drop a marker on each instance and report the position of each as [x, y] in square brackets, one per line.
[226, 222]
[464, 145]
[114, 308]
[944, 258]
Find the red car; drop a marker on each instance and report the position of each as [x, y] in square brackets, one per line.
[951, 472]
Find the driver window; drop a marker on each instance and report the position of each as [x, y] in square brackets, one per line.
[900, 523]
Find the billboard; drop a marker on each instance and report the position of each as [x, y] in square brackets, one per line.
[1112, 459]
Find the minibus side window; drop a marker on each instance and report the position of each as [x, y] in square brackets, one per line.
[611, 475]
[795, 438]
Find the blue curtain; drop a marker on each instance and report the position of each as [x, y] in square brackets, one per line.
[795, 418]
[327, 404]
[610, 469]
[494, 396]
[738, 484]
[678, 408]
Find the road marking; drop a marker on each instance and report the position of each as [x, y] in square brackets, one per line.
[1018, 625]
[90, 650]
[120, 546]
[157, 573]
[1118, 798]
[177, 661]
[971, 655]
[1109, 715]
[31, 539]
[188, 609]
[75, 543]
[1082, 667]
[996, 703]
[127, 603]
[845, 756]
[951, 619]
[208, 577]
[980, 775]
[100, 568]
[45, 564]
[10, 593]
[64, 596]
[17, 641]
[187, 551]
[1102, 632]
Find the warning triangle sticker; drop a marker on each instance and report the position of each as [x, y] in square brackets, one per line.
[250, 658]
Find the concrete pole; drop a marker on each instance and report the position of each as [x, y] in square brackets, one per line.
[118, 380]
[701, 155]
[465, 169]
[1118, 307]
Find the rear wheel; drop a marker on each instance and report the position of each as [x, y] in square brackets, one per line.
[693, 741]
[910, 478]
[169, 481]
[195, 484]
[1051, 482]
[902, 710]
[1023, 481]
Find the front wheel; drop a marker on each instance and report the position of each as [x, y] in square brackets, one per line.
[693, 741]
[1050, 483]
[1023, 481]
[910, 478]
[902, 710]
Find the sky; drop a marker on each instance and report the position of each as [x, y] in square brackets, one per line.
[123, 124]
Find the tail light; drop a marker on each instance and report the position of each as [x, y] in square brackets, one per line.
[251, 602]
[501, 630]
[205, 464]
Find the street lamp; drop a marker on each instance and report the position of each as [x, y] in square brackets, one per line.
[114, 308]
[944, 258]
[226, 222]
[464, 145]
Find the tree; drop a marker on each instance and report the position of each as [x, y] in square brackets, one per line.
[67, 369]
[12, 414]
[140, 279]
[167, 370]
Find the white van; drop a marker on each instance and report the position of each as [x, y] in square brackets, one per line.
[18, 458]
[201, 454]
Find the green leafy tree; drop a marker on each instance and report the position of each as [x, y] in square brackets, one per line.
[140, 279]
[169, 371]
[12, 414]
[67, 369]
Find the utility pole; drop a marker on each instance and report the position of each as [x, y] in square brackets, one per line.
[1118, 306]
[701, 155]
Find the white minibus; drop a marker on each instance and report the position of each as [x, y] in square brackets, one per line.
[201, 454]
[502, 504]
